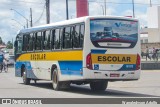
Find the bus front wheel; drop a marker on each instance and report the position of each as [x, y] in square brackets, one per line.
[99, 85]
[26, 80]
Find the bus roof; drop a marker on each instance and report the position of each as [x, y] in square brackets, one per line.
[67, 22]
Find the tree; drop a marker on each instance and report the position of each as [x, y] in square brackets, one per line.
[1, 42]
[9, 45]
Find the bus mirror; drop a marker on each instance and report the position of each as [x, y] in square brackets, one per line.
[15, 44]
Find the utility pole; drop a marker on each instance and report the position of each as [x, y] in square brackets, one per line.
[48, 11]
[105, 7]
[133, 8]
[150, 3]
[67, 10]
[31, 16]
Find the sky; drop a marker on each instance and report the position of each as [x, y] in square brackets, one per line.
[11, 22]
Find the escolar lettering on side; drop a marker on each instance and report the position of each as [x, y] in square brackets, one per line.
[38, 56]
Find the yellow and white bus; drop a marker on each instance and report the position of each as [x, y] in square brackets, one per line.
[89, 50]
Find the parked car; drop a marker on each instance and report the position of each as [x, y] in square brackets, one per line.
[11, 60]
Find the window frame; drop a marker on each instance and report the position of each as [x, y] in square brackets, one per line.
[71, 46]
[52, 38]
[31, 34]
[17, 48]
[25, 41]
[59, 29]
[48, 30]
[35, 42]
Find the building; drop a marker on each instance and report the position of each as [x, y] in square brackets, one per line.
[153, 29]
[82, 8]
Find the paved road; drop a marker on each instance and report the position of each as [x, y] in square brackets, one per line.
[147, 86]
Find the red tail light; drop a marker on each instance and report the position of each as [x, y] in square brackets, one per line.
[138, 63]
[114, 39]
[89, 61]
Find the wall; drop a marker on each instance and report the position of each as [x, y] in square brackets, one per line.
[153, 17]
[154, 35]
[82, 8]
[150, 46]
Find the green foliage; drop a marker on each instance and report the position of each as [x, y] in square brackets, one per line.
[1, 42]
[9, 45]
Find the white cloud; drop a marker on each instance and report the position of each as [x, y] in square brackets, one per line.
[9, 27]
[128, 13]
[143, 18]
[98, 9]
[139, 15]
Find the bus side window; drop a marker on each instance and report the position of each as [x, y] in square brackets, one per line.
[31, 41]
[61, 34]
[67, 38]
[57, 39]
[52, 38]
[76, 37]
[46, 40]
[38, 44]
[18, 44]
[82, 35]
[25, 42]
[72, 34]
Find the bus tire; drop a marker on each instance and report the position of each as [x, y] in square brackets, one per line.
[55, 80]
[99, 85]
[26, 80]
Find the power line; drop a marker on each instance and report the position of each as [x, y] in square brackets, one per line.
[48, 11]
[27, 2]
[125, 3]
[41, 14]
[16, 4]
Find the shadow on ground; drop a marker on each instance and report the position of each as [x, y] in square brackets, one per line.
[84, 89]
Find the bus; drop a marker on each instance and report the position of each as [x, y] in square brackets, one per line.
[68, 53]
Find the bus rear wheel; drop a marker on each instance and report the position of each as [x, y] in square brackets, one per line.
[26, 80]
[58, 85]
[99, 85]
[55, 80]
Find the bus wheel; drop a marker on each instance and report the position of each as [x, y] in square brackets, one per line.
[26, 80]
[55, 80]
[99, 85]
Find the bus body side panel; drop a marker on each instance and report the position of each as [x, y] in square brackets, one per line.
[69, 65]
[73, 69]
[29, 66]
[18, 69]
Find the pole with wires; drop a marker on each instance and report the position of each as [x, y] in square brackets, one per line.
[150, 3]
[67, 17]
[31, 17]
[48, 11]
[105, 7]
[133, 8]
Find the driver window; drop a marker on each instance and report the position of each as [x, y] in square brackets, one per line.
[18, 47]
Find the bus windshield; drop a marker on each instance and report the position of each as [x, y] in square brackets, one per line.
[114, 33]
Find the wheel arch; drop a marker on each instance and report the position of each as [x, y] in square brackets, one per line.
[52, 69]
[22, 69]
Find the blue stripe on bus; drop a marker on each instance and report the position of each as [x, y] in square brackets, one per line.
[94, 51]
[27, 64]
[127, 67]
[71, 67]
